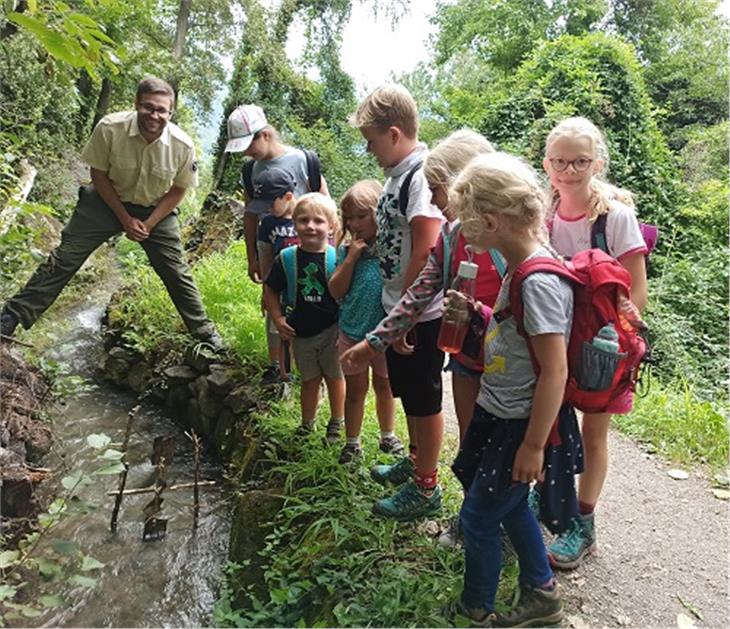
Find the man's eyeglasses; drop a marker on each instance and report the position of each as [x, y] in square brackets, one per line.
[160, 111]
[580, 164]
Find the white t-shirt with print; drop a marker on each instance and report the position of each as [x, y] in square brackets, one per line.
[394, 245]
[569, 236]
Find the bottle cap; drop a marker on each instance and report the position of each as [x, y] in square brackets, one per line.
[468, 270]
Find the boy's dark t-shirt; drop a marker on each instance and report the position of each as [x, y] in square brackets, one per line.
[315, 310]
[279, 232]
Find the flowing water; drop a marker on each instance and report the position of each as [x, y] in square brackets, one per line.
[167, 583]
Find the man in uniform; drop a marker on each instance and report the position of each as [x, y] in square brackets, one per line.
[141, 166]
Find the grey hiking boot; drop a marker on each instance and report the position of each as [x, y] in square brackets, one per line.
[350, 452]
[8, 323]
[334, 427]
[398, 473]
[452, 534]
[477, 616]
[567, 552]
[535, 607]
[391, 445]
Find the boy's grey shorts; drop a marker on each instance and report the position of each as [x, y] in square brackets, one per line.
[317, 355]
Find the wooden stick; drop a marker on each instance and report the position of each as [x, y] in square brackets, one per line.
[196, 479]
[123, 473]
[12, 339]
[151, 490]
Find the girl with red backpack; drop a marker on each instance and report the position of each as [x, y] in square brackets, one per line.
[587, 212]
[501, 205]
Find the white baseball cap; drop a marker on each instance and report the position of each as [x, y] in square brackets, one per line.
[243, 123]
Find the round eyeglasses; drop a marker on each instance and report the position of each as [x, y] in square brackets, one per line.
[580, 164]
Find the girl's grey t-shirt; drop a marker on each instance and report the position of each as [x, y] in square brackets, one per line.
[508, 383]
[295, 161]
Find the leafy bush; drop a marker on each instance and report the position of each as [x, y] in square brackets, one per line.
[598, 77]
[688, 315]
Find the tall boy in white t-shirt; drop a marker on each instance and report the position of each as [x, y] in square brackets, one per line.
[388, 120]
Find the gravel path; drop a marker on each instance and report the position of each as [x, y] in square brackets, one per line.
[662, 546]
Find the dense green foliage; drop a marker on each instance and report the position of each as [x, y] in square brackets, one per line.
[311, 114]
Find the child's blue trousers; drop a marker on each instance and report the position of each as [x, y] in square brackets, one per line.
[481, 516]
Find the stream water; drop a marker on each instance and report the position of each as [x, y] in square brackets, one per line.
[167, 583]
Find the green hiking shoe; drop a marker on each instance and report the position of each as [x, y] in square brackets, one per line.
[398, 473]
[534, 608]
[568, 550]
[409, 503]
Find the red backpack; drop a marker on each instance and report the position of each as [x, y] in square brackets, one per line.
[601, 289]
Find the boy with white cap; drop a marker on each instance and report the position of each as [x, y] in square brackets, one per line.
[250, 133]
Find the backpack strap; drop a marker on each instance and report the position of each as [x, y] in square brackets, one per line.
[289, 262]
[527, 268]
[247, 178]
[598, 234]
[499, 262]
[447, 238]
[330, 261]
[404, 195]
[314, 170]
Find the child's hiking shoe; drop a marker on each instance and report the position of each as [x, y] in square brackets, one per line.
[568, 550]
[305, 429]
[270, 376]
[334, 426]
[533, 501]
[391, 445]
[397, 473]
[350, 452]
[535, 608]
[477, 616]
[452, 534]
[409, 503]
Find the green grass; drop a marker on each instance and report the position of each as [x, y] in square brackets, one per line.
[680, 425]
[328, 561]
[146, 314]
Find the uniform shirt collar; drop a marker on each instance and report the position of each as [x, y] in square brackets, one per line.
[134, 129]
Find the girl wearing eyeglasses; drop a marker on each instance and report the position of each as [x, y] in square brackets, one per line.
[575, 160]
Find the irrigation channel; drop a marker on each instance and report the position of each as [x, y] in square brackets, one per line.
[167, 583]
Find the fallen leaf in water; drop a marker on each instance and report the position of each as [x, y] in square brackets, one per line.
[721, 494]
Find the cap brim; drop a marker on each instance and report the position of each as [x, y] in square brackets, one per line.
[237, 145]
[258, 206]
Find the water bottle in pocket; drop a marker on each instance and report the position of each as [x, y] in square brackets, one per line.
[599, 360]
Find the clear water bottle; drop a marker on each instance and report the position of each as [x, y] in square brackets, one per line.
[606, 339]
[457, 314]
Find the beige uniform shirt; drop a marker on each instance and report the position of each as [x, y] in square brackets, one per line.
[141, 173]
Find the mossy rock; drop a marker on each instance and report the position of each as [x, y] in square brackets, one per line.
[253, 520]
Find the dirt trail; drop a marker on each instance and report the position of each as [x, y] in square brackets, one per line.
[659, 540]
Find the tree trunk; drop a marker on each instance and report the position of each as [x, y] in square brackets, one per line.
[178, 46]
[85, 88]
[102, 103]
